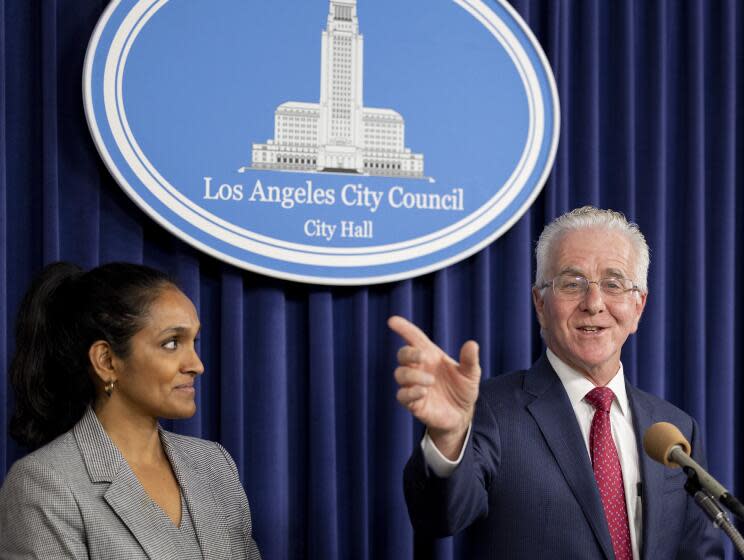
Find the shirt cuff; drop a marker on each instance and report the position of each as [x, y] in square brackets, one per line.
[438, 463]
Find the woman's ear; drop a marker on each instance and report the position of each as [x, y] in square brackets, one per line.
[102, 360]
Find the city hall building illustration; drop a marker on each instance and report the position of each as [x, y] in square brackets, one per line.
[339, 134]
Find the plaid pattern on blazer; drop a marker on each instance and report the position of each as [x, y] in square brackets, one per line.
[77, 498]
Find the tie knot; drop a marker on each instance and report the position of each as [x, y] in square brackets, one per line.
[600, 398]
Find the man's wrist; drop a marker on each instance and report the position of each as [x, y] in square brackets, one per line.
[436, 461]
[450, 442]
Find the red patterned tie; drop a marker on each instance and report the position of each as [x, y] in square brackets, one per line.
[608, 473]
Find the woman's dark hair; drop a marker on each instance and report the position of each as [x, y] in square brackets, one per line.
[63, 313]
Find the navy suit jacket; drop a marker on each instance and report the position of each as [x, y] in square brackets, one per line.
[525, 487]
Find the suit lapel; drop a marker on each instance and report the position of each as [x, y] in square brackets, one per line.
[128, 499]
[652, 473]
[125, 495]
[208, 519]
[553, 413]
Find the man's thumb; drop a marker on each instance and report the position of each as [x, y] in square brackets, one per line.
[469, 361]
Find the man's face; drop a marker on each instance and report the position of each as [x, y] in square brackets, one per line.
[588, 333]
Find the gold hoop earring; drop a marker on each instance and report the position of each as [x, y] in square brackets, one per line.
[109, 387]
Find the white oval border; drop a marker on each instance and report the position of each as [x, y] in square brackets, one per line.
[299, 254]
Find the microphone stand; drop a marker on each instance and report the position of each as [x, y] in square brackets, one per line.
[710, 506]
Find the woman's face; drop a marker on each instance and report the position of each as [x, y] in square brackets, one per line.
[157, 377]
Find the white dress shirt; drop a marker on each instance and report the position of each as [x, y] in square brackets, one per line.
[577, 386]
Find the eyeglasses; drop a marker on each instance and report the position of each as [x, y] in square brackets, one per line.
[571, 286]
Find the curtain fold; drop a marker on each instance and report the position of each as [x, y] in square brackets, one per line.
[4, 389]
[266, 406]
[720, 174]
[48, 81]
[322, 523]
[299, 379]
[735, 461]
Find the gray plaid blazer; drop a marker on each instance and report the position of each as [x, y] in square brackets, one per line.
[77, 498]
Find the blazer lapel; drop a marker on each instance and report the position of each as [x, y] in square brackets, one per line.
[125, 495]
[209, 521]
[553, 413]
[652, 473]
[128, 499]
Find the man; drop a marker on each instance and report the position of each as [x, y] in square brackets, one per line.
[547, 463]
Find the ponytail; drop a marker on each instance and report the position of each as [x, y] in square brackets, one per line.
[64, 311]
[48, 391]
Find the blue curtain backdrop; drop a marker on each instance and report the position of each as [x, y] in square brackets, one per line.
[299, 380]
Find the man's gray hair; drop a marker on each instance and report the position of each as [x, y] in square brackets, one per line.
[589, 217]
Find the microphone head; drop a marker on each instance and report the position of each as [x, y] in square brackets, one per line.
[659, 440]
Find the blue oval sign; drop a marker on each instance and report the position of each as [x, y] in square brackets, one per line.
[326, 141]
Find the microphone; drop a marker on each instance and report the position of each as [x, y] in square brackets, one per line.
[665, 444]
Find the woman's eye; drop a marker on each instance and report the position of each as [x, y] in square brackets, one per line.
[171, 344]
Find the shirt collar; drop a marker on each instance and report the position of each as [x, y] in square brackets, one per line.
[577, 386]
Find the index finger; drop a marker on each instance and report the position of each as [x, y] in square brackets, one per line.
[408, 331]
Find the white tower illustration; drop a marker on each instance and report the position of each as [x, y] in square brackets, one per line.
[339, 134]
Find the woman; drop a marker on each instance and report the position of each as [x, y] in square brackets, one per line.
[100, 356]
